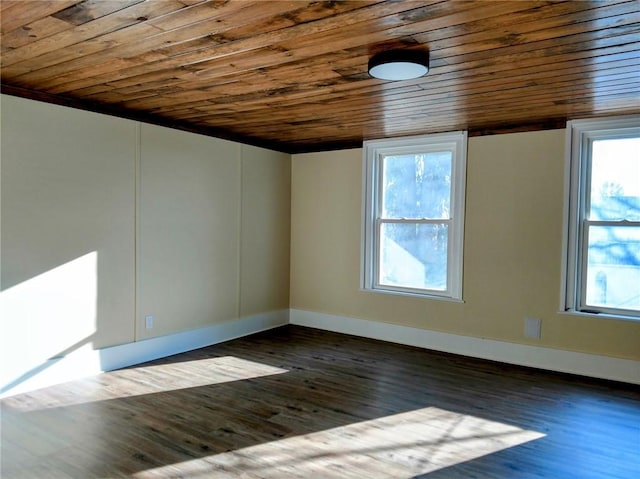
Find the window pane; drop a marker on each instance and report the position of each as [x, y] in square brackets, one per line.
[414, 255]
[615, 179]
[613, 268]
[417, 186]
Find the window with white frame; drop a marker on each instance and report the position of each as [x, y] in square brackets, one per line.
[602, 267]
[414, 215]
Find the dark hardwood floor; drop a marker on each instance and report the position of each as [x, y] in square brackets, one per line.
[301, 403]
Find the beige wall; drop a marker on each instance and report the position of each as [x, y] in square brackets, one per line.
[213, 231]
[96, 210]
[513, 239]
[188, 230]
[68, 185]
[105, 221]
[67, 231]
[266, 200]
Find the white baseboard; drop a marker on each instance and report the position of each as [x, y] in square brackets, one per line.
[602, 367]
[86, 361]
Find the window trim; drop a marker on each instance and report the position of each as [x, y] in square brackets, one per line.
[373, 152]
[579, 134]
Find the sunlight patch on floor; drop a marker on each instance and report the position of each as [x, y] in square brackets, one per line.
[397, 446]
[137, 381]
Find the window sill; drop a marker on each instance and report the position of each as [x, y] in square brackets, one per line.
[412, 295]
[618, 317]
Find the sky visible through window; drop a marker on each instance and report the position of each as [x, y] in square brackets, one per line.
[616, 163]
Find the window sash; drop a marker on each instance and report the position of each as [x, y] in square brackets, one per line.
[384, 158]
[417, 221]
[583, 304]
[580, 137]
[375, 153]
[378, 284]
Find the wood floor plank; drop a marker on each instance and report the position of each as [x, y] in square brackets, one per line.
[297, 402]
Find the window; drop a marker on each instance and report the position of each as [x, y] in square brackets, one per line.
[602, 267]
[414, 215]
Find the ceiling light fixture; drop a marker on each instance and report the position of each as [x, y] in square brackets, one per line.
[399, 64]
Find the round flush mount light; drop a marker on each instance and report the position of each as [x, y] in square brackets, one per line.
[399, 64]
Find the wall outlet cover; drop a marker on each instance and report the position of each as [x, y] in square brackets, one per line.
[532, 328]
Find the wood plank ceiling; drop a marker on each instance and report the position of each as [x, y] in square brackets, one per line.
[292, 75]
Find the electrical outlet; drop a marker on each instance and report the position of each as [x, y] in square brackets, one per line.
[148, 321]
[532, 328]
